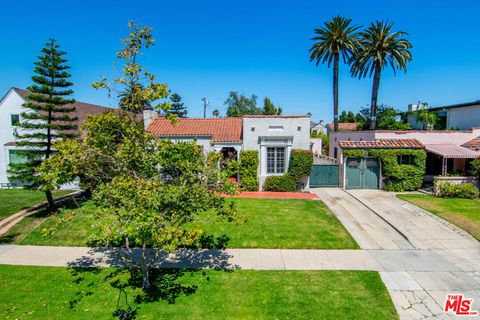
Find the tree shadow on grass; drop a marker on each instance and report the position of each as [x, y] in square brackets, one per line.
[166, 276]
[20, 230]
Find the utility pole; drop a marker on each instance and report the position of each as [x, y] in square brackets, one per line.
[205, 103]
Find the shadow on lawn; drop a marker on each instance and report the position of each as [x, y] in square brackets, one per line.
[165, 275]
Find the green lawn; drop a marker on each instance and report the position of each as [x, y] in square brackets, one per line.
[271, 223]
[60, 293]
[14, 200]
[278, 223]
[464, 213]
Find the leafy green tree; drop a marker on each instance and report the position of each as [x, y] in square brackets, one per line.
[379, 48]
[388, 118]
[239, 105]
[48, 117]
[336, 39]
[177, 106]
[269, 108]
[216, 113]
[347, 117]
[139, 87]
[149, 192]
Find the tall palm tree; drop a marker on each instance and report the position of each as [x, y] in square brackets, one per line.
[337, 38]
[379, 47]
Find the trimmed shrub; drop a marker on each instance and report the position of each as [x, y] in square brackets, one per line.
[284, 183]
[452, 190]
[248, 168]
[301, 162]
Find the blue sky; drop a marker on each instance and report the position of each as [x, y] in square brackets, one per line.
[208, 48]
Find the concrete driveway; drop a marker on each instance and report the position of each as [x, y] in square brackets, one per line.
[424, 258]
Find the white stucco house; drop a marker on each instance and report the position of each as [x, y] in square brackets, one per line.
[10, 119]
[273, 136]
[462, 116]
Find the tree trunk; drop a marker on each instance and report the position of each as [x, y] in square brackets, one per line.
[336, 59]
[51, 203]
[373, 104]
[48, 193]
[146, 282]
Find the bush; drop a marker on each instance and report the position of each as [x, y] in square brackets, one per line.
[284, 183]
[301, 162]
[475, 168]
[248, 168]
[451, 190]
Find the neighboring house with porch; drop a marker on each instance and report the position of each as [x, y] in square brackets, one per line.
[273, 137]
[10, 121]
[448, 152]
[462, 116]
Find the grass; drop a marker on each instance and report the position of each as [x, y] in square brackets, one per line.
[14, 200]
[278, 223]
[463, 213]
[271, 223]
[62, 293]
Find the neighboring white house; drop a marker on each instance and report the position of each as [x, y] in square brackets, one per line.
[273, 136]
[461, 116]
[321, 126]
[10, 120]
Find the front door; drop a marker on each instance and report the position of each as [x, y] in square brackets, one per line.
[362, 173]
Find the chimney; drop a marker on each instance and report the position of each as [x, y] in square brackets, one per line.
[148, 117]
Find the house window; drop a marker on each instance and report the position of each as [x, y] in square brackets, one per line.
[275, 128]
[275, 160]
[299, 128]
[252, 129]
[17, 156]
[15, 120]
[405, 159]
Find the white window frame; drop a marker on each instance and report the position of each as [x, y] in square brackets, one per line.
[276, 164]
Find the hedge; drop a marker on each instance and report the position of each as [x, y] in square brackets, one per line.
[283, 183]
[451, 190]
[398, 177]
[248, 168]
[301, 162]
[300, 165]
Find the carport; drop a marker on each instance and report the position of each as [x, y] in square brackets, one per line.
[443, 159]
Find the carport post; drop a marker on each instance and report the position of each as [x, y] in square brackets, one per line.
[444, 166]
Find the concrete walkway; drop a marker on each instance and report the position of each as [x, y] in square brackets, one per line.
[422, 257]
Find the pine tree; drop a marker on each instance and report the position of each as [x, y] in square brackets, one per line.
[177, 108]
[47, 117]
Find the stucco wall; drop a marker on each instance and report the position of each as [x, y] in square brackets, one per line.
[300, 139]
[464, 118]
[204, 142]
[11, 104]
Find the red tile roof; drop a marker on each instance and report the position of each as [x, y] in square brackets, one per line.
[473, 144]
[344, 126]
[382, 144]
[220, 129]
